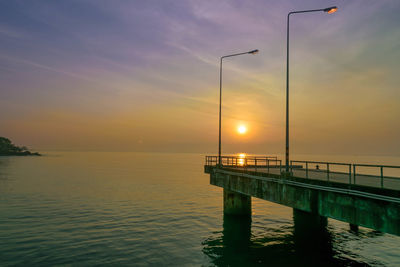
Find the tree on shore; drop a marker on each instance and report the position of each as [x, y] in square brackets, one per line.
[7, 148]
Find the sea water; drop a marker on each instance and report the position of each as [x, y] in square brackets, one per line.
[157, 209]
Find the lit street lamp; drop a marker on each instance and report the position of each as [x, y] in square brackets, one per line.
[327, 10]
[220, 96]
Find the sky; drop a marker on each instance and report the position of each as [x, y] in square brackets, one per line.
[144, 76]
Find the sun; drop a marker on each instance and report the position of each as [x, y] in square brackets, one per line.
[242, 129]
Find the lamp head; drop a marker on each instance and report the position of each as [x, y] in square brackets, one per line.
[331, 9]
[253, 51]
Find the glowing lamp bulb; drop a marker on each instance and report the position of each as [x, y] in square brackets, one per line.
[331, 10]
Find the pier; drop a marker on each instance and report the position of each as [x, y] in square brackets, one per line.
[315, 190]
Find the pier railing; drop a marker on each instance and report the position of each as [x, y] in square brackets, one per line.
[325, 169]
[385, 180]
[357, 174]
[372, 175]
[254, 163]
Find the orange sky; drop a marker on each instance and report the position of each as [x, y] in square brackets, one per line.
[145, 77]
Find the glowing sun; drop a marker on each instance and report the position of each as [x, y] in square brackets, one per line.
[242, 129]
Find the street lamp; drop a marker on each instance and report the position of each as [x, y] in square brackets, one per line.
[328, 10]
[253, 52]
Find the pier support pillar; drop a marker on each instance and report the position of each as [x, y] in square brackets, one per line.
[308, 223]
[236, 203]
[311, 237]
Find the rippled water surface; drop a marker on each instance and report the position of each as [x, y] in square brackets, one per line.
[145, 209]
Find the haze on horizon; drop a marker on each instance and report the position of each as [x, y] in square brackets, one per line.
[144, 76]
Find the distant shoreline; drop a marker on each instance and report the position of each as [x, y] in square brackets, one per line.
[7, 148]
[25, 153]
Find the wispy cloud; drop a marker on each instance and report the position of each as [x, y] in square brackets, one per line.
[129, 59]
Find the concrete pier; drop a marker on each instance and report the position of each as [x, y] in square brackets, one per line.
[236, 203]
[377, 209]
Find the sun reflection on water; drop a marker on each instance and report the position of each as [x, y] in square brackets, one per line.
[241, 160]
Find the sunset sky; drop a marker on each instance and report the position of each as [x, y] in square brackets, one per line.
[144, 75]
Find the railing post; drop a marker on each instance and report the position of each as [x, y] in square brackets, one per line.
[327, 171]
[350, 174]
[306, 169]
[354, 174]
[381, 176]
[255, 163]
[267, 165]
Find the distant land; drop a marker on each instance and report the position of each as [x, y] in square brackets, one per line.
[7, 148]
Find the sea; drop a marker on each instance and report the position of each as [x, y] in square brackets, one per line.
[158, 209]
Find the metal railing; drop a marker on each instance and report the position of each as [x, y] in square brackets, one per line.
[346, 173]
[353, 174]
[328, 168]
[246, 162]
[380, 170]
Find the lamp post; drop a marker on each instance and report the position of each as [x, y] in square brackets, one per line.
[220, 96]
[328, 10]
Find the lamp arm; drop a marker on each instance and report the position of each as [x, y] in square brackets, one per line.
[306, 11]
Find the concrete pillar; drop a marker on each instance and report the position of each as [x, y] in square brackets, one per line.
[308, 220]
[309, 227]
[312, 240]
[224, 249]
[236, 203]
[236, 232]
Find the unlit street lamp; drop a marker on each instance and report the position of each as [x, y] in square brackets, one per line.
[220, 96]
